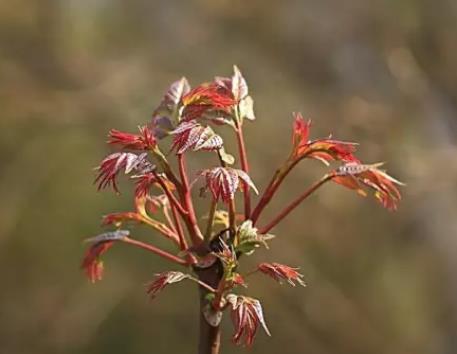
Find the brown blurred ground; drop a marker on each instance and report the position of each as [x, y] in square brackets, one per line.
[378, 72]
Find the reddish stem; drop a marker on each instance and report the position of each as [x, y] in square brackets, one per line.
[271, 189]
[294, 204]
[232, 219]
[163, 229]
[178, 227]
[170, 195]
[231, 204]
[153, 249]
[191, 220]
[209, 226]
[210, 336]
[245, 168]
[166, 167]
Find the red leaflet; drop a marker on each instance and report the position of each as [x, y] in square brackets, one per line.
[206, 97]
[247, 316]
[143, 183]
[114, 163]
[162, 280]
[325, 150]
[118, 218]
[141, 204]
[92, 264]
[355, 176]
[190, 135]
[224, 181]
[176, 91]
[280, 272]
[143, 141]
[165, 203]
[236, 84]
[237, 279]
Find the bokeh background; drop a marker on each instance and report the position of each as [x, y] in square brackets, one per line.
[378, 72]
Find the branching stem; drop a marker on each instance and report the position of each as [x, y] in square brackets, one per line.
[163, 229]
[153, 249]
[191, 220]
[244, 162]
[271, 189]
[170, 195]
[294, 204]
[212, 212]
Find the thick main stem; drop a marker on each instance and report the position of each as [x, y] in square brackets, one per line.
[209, 336]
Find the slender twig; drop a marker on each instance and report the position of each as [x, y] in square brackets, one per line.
[169, 194]
[232, 220]
[231, 205]
[178, 227]
[212, 212]
[244, 163]
[294, 204]
[163, 229]
[271, 189]
[170, 222]
[153, 249]
[252, 272]
[182, 239]
[203, 284]
[157, 153]
[277, 180]
[191, 220]
[219, 294]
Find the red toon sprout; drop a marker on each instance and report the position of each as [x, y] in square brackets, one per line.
[325, 150]
[206, 97]
[280, 272]
[354, 176]
[224, 181]
[247, 316]
[162, 280]
[193, 136]
[92, 264]
[114, 163]
[210, 244]
[143, 141]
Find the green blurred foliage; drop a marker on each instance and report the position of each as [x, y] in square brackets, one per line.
[378, 72]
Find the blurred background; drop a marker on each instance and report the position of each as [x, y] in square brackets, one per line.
[381, 73]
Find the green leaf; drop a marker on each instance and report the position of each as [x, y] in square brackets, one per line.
[250, 239]
[210, 297]
[227, 158]
[246, 108]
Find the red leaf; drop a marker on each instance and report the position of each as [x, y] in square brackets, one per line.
[280, 272]
[190, 135]
[324, 150]
[206, 97]
[355, 175]
[224, 181]
[247, 316]
[114, 163]
[143, 141]
[164, 279]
